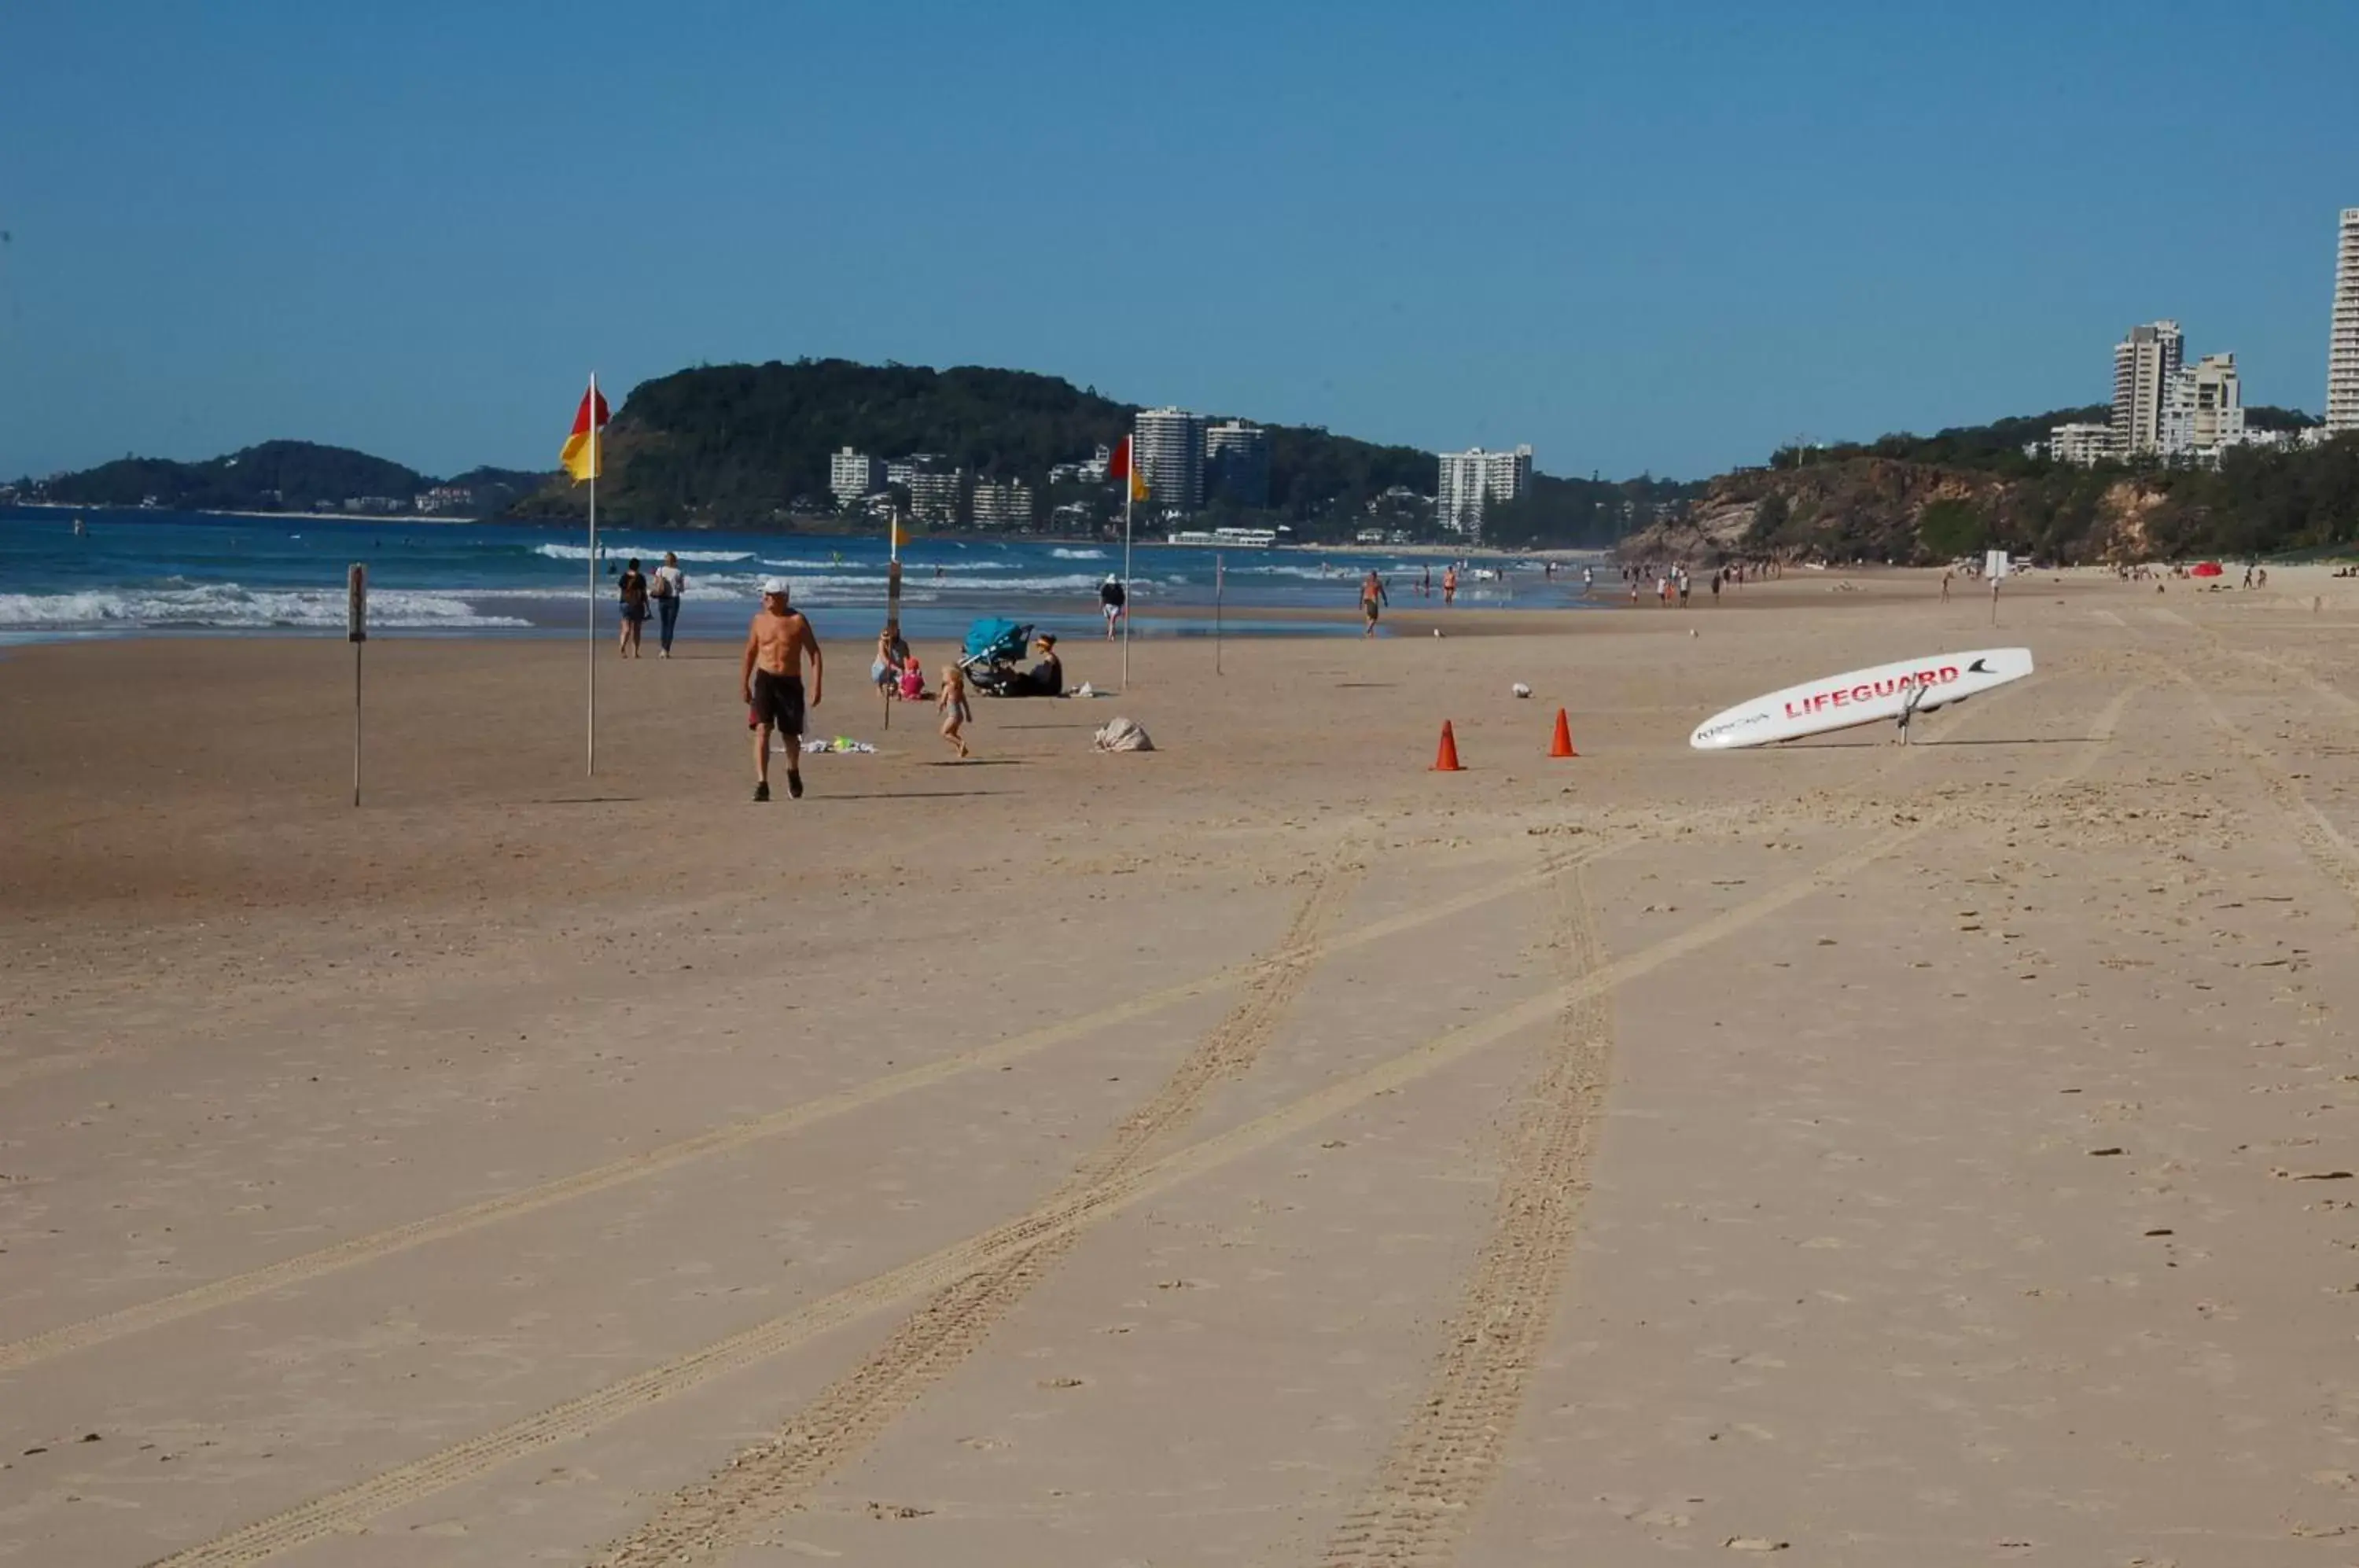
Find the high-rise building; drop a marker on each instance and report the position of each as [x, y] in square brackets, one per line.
[2202, 410]
[2342, 345]
[1473, 480]
[1236, 463]
[851, 475]
[1003, 504]
[2144, 364]
[901, 470]
[938, 495]
[1169, 449]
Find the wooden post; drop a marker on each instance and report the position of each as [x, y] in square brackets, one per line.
[356, 633]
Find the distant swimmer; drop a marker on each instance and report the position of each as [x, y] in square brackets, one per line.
[770, 683]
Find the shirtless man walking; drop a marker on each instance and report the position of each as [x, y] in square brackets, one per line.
[770, 683]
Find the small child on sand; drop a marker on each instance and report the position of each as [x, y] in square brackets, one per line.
[952, 706]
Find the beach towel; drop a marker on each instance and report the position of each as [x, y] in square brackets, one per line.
[1122, 734]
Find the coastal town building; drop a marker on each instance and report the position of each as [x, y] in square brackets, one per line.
[2203, 410]
[444, 498]
[1236, 463]
[901, 470]
[2343, 343]
[2083, 443]
[2144, 364]
[1091, 471]
[851, 474]
[938, 496]
[1002, 504]
[1169, 447]
[1471, 481]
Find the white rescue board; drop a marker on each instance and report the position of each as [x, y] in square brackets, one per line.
[1861, 697]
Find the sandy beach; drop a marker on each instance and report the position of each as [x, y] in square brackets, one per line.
[1264, 1150]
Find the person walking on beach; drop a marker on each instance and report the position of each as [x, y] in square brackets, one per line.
[1686, 584]
[668, 584]
[1111, 600]
[1947, 573]
[952, 706]
[1373, 599]
[770, 683]
[633, 588]
[1425, 581]
[1450, 583]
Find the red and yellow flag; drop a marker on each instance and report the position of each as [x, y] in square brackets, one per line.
[1120, 466]
[580, 456]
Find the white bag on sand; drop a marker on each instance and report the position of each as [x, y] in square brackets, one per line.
[1122, 734]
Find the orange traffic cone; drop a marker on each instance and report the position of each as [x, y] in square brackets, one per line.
[1562, 745]
[1446, 760]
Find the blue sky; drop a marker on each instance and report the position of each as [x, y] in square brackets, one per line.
[1661, 238]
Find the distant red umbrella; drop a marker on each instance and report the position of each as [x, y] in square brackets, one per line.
[2205, 568]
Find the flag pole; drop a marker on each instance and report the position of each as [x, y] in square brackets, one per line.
[1129, 596]
[590, 624]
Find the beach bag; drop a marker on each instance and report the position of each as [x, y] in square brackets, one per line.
[1122, 734]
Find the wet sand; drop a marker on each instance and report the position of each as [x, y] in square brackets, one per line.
[1264, 1151]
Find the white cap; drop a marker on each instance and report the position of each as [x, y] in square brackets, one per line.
[777, 585]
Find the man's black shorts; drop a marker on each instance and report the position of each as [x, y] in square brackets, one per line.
[777, 703]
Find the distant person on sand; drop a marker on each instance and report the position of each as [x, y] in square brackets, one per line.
[669, 584]
[884, 670]
[1425, 581]
[1373, 599]
[633, 587]
[1947, 573]
[770, 683]
[1111, 600]
[952, 706]
[1450, 583]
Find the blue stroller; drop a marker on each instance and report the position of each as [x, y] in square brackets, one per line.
[989, 658]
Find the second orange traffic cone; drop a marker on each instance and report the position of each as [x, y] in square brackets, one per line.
[1562, 745]
[1446, 760]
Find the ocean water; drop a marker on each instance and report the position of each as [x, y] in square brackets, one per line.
[193, 574]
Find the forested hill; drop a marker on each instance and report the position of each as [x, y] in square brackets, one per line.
[1933, 498]
[280, 476]
[750, 443]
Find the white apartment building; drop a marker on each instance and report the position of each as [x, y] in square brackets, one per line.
[1472, 480]
[2083, 444]
[901, 470]
[2144, 364]
[851, 475]
[1003, 504]
[2203, 410]
[1236, 462]
[1169, 446]
[1091, 471]
[938, 496]
[2343, 343]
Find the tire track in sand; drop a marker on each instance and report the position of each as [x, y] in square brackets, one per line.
[88, 1332]
[1445, 1454]
[350, 1508]
[705, 1518]
[1443, 1460]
